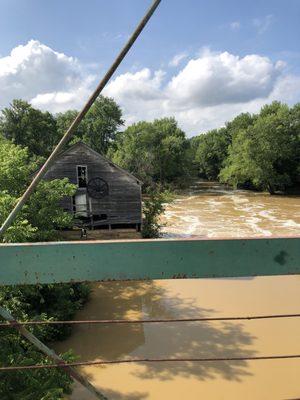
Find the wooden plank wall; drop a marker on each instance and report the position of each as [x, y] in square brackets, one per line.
[122, 205]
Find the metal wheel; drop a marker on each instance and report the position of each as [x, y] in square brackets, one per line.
[97, 188]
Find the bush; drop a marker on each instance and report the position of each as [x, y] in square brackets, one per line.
[38, 220]
[42, 302]
[153, 207]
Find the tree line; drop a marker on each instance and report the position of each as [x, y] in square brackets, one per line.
[255, 151]
[154, 151]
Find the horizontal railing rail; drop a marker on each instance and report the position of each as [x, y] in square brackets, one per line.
[62, 262]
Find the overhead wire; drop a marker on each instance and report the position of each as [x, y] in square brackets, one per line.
[15, 324]
[146, 360]
[145, 321]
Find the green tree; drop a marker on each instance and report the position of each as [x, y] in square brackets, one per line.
[210, 149]
[29, 127]
[211, 152]
[153, 207]
[99, 127]
[63, 122]
[238, 168]
[154, 151]
[266, 154]
[42, 384]
[134, 151]
[240, 122]
[15, 167]
[42, 302]
[294, 168]
[38, 220]
[170, 148]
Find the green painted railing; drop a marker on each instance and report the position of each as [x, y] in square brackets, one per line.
[147, 259]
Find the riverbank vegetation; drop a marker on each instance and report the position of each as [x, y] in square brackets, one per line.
[259, 151]
[157, 152]
[40, 302]
[153, 207]
[38, 221]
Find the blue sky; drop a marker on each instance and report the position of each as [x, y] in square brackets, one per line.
[190, 52]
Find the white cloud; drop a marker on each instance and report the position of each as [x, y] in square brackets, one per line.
[140, 94]
[235, 25]
[138, 86]
[177, 59]
[264, 23]
[208, 90]
[221, 78]
[287, 89]
[38, 73]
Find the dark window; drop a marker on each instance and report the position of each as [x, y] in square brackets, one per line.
[100, 217]
[82, 176]
[73, 204]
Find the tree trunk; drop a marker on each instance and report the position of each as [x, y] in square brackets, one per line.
[271, 189]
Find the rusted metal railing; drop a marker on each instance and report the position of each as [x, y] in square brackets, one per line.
[146, 321]
[151, 360]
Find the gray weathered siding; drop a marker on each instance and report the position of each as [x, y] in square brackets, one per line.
[122, 205]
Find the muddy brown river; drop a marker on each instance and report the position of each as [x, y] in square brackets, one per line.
[207, 210]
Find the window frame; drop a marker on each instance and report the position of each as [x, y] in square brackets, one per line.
[86, 176]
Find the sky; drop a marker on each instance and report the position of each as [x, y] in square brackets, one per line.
[202, 62]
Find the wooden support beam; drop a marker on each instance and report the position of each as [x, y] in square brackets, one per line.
[147, 259]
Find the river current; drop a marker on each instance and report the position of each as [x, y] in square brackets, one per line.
[209, 209]
[206, 210]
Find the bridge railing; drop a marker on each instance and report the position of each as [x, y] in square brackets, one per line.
[55, 262]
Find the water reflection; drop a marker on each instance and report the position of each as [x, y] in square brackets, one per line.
[184, 298]
[148, 300]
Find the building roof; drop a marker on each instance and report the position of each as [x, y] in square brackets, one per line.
[85, 146]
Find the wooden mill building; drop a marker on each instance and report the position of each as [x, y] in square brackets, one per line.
[106, 195]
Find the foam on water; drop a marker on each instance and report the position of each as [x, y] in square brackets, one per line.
[291, 223]
[215, 212]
